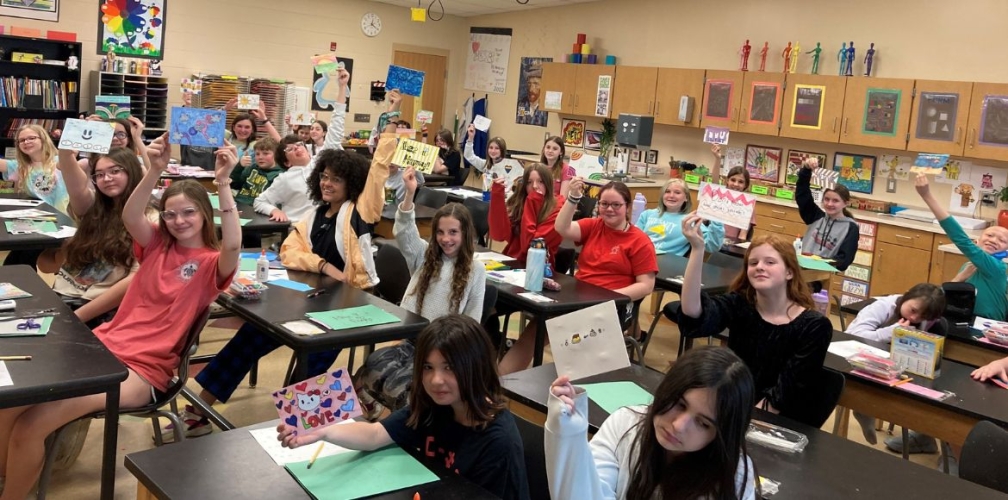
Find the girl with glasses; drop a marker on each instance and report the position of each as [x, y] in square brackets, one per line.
[34, 169]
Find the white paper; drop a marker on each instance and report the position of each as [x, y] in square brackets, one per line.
[274, 274]
[302, 118]
[87, 136]
[848, 348]
[533, 296]
[424, 116]
[734, 157]
[481, 123]
[27, 213]
[303, 327]
[490, 256]
[553, 100]
[63, 233]
[981, 323]
[587, 342]
[267, 438]
[11, 202]
[718, 203]
[743, 244]
[5, 377]
[248, 101]
[514, 277]
[465, 193]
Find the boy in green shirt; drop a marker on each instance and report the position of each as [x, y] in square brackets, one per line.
[256, 178]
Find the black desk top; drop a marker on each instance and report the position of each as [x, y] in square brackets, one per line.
[420, 212]
[233, 465]
[69, 361]
[829, 468]
[280, 305]
[438, 178]
[259, 223]
[31, 241]
[574, 295]
[713, 278]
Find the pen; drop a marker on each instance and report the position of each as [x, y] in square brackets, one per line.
[315, 455]
[315, 293]
[15, 358]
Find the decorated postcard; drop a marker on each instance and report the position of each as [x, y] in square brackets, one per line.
[588, 342]
[408, 81]
[420, 156]
[197, 127]
[248, 101]
[87, 136]
[110, 107]
[317, 402]
[720, 204]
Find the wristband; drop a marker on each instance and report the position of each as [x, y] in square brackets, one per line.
[321, 268]
[575, 200]
[228, 210]
[222, 183]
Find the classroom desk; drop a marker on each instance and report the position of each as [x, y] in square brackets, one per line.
[259, 224]
[949, 420]
[714, 278]
[439, 179]
[280, 305]
[574, 295]
[32, 241]
[206, 182]
[829, 468]
[421, 213]
[68, 362]
[231, 464]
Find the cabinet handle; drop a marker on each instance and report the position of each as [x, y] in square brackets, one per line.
[834, 123]
[650, 105]
[657, 106]
[973, 142]
[904, 237]
[845, 125]
[779, 212]
[958, 135]
[777, 225]
[742, 116]
[734, 112]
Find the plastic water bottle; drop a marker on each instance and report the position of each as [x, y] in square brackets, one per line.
[821, 300]
[639, 203]
[262, 268]
[535, 265]
[487, 181]
[797, 245]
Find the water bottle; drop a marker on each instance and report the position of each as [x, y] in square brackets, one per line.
[262, 268]
[487, 182]
[639, 203]
[821, 300]
[797, 245]
[535, 265]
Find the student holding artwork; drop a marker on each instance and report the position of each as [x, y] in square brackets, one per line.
[445, 280]
[771, 320]
[183, 267]
[34, 168]
[553, 154]
[497, 165]
[736, 180]
[832, 232]
[449, 161]
[196, 156]
[615, 255]
[457, 419]
[688, 443]
[529, 213]
[128, 134]
[394, 184]
[664, 224]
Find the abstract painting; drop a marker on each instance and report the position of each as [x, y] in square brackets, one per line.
[881, 114]
[857, 172]
[573, 132]
[132, 28]
[763, 163]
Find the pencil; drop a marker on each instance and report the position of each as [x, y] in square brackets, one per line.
[315, 455]
[15, 358]
[901, 382]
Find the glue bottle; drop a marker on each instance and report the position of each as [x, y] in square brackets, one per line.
[535, 265]
[262, 268]
[797, 245]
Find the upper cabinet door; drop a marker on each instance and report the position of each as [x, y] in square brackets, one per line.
[672, 85]
[813, 106]
[557, 78]
[762, 99]
[987, 132]
[938, 117]
[877, 112]
[722, 93]
[635, 93]
[587, 94]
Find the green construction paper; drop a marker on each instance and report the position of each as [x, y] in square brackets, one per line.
[215, 202]
[816, 264]
[217, 221]
[358, 474]
[692, 179]
[757, 189]
[354, 317]
[611, 396]
[34, 226]
[785, 194]
[247, 265]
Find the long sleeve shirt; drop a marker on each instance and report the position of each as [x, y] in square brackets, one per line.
[518, 236]
[665, 231]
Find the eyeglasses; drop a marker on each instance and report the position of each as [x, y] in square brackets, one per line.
[606, 205]
[108, 173]
[324, 177]
[25, 140]
[120, 135]
[293, 147]
[186, 214]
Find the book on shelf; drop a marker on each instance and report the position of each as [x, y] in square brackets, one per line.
[18, 92]
[14, 124]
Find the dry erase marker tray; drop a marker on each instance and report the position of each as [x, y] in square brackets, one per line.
[776, 437]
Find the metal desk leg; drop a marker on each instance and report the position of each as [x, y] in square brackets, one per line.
[111, 443]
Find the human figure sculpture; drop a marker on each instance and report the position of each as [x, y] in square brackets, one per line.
[815, 58]
[842, 58]
[745, 50]
[786, 54]
[868, 58]
[850, 59]
[795, 52]
[763, 53]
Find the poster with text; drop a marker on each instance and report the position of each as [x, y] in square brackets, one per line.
[487, 59]
[718, 203]
[529, 87]
[132, 28]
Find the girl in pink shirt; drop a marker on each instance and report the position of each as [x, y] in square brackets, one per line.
[553, 154]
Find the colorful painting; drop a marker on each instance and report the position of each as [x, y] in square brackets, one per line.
[807, 107]
[110, 107]
[794, 163]
[718, 99]
[529, 87]
[881, 114]
[763, 163]
[764, 102]
[408, 81]
[573, 132]
[197, 127]
[994, 122]
[856, 172]
[936, 116]
[43, 10]
[593, 140]
[317, 402]
[132, 28]
[325, 87]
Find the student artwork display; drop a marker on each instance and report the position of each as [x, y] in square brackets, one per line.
[971, 179]
[487, 59]
[110, 107]
[764, 102]
[718, 203]
[586, 165]
[197, 127]
[794, 164]
[603, 96]
[529, 88]
[954, 171]
[734, 157]
[716, 135]
[718, 99]
[587, 342]
[856, 172]
[317, 402]
[593, 140]
[325, 63]
[894, 167]
[930, 163]
[994, 121]
[43, 10]
[651, 157]
[248, 101]
[936, 113]
[407, 81]
[420, 156]
[191, 86]
[881, 114]
[87, 136]
[807, 107]
[131, 28]
[763, 163]
[572, 132]
[325, 86]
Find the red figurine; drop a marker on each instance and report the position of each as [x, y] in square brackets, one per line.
[745, 56]
[763, 53]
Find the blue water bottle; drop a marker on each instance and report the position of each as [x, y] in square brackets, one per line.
[535, 265]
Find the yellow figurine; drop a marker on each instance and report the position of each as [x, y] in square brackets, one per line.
[795, 52]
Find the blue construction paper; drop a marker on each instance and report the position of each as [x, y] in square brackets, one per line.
[293, 285]
[255, 255]
[408, 81]
[197, 127]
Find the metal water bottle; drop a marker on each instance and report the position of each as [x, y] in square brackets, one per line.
[535, 265]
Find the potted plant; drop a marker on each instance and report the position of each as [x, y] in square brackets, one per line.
[607, 141]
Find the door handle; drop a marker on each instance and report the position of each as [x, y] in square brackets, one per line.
[845, 125]
[834, 123]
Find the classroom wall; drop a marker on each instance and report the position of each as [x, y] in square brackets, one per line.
[933, 39]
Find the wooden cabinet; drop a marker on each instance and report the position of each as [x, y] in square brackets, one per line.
[672, 85]
[914, 238]
[987, 129]
[939, 115]
[876, 112]
[558, 77]
[813, 106]
[586, 88]
[780, 220]
[944, 265]
[635, 92]
[722, 94]
[762, 100]
[896, 268]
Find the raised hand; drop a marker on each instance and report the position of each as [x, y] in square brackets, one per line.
[564, 391]
[394, 98]
[471, 131]
[921, 184]
[227, 158]
[231, 104]
[576, 188]
[246, 159]
[410, 180]
[259, 113]
[810, 163]
[715, 150]
[691, 229]
[137, 128]
[159, 152]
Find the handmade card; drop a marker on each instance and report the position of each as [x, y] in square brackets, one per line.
[353, 317]
[588, 342]
[110, 107]
[248, 101]
[718, 203]
[587, 165]
[424, 116]
[407, 81]
[481, 123]
[87, 136]
[420, 156]
[197, 127]
[716, 135]
[191, 86]
[317, 402]
[302, 118]
[930, 163]
[325, 63]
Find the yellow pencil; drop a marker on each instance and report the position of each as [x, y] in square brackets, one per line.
[15, 358]
[904, 381]
[315, 455]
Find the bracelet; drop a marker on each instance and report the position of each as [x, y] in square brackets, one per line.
[222, 183]
[575, 200]
[321, 268]
[228, 210]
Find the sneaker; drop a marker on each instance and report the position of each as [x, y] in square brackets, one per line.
[196, 425]
[867, 427]
[919, 443]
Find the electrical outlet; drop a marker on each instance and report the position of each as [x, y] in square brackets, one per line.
[361, 117]
[988, 198]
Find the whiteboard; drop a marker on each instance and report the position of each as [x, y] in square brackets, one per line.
[487, 59]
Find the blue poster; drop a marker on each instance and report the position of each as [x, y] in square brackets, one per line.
[408, 81]
[197, 127]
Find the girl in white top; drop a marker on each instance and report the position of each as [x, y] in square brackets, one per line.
[496, 165]
[688, 443]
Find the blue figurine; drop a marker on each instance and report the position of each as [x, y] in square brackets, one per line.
[868, 58]
[842, 58]
[850, 59]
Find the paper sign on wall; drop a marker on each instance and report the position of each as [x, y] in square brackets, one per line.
[481, 123]
[110, 107]
[197, 127]
[408, 81]
[718, 203]
[302, 118]
[317, 402]
[716, 135]
[420, 156]
[191, 86]
[248, 101]
[87, 136]
[553, 100]
[588, 342]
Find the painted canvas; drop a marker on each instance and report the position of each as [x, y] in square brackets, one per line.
[794, 163]
[43, 10]
[132, 28]
[881, 115]
[856, 172]
[994, 121]
[718, 99]
[197, 127]
[936, 116]
[763, 163]
[764, 102]
[572, 132]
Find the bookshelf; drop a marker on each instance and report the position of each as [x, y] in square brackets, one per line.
[148, 96]
[46, 93]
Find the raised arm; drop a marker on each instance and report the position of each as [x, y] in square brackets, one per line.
[924, 190]
[337, 125]
[137, 129]
[405, 230]
[807, 208]
[134, 218]
[690, 296]
[227, 261]
[565, 219]
[715, 171]
[470, 154]
[372, 199]
[576, 468]
[78, 185]
[260, 116]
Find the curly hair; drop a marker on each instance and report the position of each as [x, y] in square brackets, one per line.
[351, 167]
[431, 267]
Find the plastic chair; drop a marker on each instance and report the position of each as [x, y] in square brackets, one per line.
[533, 443]
[480, 211]
[393, 273]
[982, 458]
[433, 198]
[821, 402]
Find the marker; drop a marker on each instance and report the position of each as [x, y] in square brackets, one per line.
[316, 454]
[416, 496]
[315, 293]
[15, 358]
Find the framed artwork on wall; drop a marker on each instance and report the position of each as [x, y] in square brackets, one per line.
[857, 172]
[593, 140]
[572, 132]
[763, 163]
[881, 115]
[651, 157]
[794, 163]
[42, 10]
[132, 28]
[807, 107]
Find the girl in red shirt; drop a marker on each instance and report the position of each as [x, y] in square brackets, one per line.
[530, 213]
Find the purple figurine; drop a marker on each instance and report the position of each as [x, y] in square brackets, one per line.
[850, 59]
[868, 58]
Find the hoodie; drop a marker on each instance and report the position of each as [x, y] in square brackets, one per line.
[828, 238]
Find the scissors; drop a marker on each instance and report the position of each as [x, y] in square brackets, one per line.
[29, 324]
